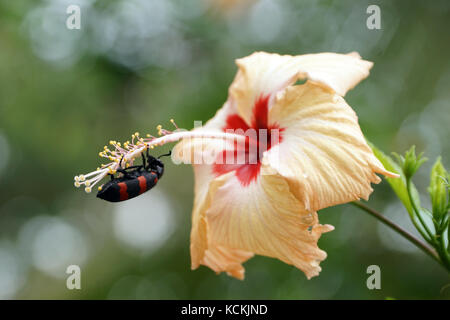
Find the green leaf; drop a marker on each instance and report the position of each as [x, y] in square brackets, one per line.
[438, 190]
[397, 184]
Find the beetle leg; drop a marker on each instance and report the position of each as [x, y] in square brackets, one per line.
[124, 172]
[143, 159]
[132, 167]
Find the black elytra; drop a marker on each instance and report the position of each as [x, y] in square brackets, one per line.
[135, 180]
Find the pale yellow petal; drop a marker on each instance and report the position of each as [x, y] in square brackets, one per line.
[262, 74]
[264, 218]
[323, 152]
[340, 72]
[218, 258]
[223, 259]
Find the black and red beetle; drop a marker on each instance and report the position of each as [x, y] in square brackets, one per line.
[134, 181]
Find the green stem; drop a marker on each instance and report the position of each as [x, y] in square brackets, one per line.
[443, 253]
[430, 239]
[417, 242]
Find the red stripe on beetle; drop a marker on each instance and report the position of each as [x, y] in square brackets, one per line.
[142, 184]
[156, 178]
[123, 191]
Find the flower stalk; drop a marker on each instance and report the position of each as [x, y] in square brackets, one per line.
[416, 241]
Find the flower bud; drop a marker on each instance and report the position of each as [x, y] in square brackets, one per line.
[438, 190]
[410, 163]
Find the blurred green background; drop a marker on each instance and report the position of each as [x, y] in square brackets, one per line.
[135, 64]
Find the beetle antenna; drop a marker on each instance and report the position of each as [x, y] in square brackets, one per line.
[166, 155]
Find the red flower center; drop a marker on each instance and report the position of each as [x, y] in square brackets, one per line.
[245, 159]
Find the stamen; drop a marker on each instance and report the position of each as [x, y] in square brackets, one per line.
[124, 156]
[173, 122]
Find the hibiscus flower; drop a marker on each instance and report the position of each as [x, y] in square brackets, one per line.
[268, 203]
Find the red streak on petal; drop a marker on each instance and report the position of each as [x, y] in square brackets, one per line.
[260, 113]
[248, 172]
[234, 122]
